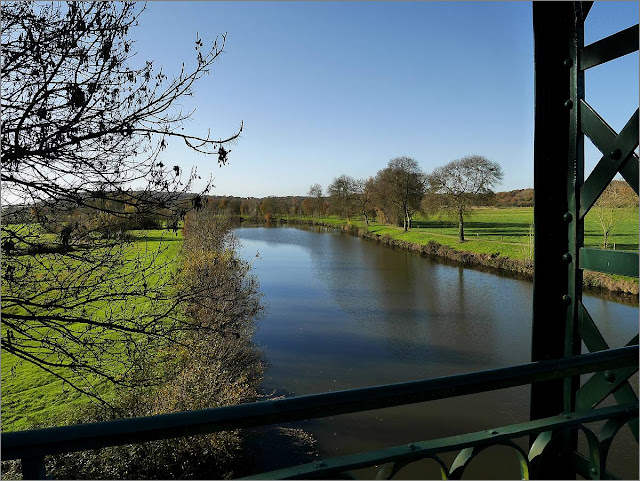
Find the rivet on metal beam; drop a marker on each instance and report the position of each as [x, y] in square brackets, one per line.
[568, 62]
[493, 432]
[412, 447]
[593, 471]
[567, 258]
[566, 299]
[609, 376]
[568, 104]
[321, 464]
[567, 217]
[615, 154]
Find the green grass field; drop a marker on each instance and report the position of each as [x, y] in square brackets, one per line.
[32, 397]
[507, 231]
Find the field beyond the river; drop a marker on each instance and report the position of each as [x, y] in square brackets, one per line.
[505, 231]
[501, 237]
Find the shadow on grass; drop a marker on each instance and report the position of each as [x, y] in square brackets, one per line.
[472, 225]
[166, 238]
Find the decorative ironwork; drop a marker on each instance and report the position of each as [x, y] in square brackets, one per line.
[547, 431]
[33, 445]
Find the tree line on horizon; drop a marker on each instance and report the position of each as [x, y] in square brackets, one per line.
[383, 198]
[393, 196]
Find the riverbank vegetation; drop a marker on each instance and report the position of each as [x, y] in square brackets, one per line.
[498, 238]
[97, 303]
[211, 363]
[451, 213]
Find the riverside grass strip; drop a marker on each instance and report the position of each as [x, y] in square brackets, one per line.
[500, 238]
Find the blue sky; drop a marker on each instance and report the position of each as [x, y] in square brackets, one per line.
[331, 88]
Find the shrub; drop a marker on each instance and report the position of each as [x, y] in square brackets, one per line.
[216, 364]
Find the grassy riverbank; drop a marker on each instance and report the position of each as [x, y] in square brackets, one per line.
[211, 361]
[32, 397]
[499, 238]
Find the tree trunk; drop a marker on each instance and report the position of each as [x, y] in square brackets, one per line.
[461, 226]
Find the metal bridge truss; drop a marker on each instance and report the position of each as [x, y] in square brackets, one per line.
[560, 406]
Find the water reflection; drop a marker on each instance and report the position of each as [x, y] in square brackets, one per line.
[345, 312]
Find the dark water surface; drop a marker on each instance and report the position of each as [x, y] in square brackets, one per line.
[344, 312]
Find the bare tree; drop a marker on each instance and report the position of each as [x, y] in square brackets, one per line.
[618, 194]
[82, 130]
[315, 193]
[342, 193]
[462, 183]
[364, 192]
[400, 187]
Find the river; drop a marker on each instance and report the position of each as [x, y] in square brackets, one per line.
[343, 312]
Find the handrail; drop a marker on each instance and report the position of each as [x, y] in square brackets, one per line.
[327, 469]
[40, 442]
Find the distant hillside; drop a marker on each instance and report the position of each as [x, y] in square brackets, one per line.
[515, 198]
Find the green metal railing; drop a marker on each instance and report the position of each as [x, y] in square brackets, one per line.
[32, 446]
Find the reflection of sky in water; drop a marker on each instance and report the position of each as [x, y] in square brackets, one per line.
[343, 312]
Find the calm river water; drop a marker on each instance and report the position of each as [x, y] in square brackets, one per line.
[344, 312]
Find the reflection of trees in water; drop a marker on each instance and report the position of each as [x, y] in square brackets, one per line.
[396, 298]
[420, 311]
[393, 316]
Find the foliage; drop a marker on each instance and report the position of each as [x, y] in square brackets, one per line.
[515, 198]
[82, 130]
[464, 182]
[398, 189]
[269, 207]
[342, 193]
[216, 365]
[315, 194]
[364, 190]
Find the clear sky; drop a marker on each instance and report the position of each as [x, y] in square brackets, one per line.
[331, 88]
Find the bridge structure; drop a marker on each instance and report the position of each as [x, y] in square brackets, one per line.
[562, 405]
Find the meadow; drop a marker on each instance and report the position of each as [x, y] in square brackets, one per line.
[503, 231]
[32, 397]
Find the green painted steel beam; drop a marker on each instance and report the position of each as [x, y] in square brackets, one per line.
[82, 437]
[609, 48]
[582, 468]
[553, 23]
[594, 341]
[618, 154]
[586, 7]
[601, 385]
[612, 262]
[325, 469]
[607, 141]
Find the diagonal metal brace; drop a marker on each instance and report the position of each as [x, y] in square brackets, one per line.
[609, 48]
[594, 341]
[607, 141]
[617, 151]
[586, 6]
